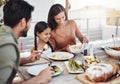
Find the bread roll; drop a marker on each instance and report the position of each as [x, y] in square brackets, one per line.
[101, 72]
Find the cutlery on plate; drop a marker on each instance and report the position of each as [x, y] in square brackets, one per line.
[32, 64]
[43, 57]
[50, 61]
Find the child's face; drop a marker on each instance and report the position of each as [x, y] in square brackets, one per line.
[45, 35]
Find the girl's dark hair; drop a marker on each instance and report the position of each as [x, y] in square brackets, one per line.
[15, 10]
[55, 10]
[39, 27]
[50, 46]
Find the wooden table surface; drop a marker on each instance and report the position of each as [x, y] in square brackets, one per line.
[65, 77]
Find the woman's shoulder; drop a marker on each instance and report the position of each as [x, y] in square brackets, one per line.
[71, 21]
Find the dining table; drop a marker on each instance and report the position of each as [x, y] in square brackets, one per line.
[66, 77]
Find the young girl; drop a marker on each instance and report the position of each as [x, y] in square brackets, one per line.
[42, 34]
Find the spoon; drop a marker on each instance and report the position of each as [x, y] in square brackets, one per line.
[113, 39]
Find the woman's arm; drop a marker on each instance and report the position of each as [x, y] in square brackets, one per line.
[78, 34]
[52, 42]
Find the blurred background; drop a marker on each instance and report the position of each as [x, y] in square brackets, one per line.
[96, 19]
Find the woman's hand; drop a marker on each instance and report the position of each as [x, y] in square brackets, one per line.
[85, 39]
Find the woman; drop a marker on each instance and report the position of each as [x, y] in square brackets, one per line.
[64, 31]
[42, 31]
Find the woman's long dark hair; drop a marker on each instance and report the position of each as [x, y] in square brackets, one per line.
[40, 27]
[55, 10]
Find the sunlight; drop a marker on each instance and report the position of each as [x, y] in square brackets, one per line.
[77, 4]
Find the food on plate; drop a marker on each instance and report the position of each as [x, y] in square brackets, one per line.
[101, 72]
[75, 46]
[54, 56]
[56, 69]
[115, 48]
[74, 66]
[59, 57]
[89, 60]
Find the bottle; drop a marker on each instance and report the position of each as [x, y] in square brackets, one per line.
[86, 50]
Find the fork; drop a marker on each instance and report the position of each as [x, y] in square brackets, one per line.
[44, 57]
[48, 60]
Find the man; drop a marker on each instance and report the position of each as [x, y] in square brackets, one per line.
[17, 18]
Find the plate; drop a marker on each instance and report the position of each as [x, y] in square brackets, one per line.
[70, 71]
[35, 70]
[59, 70]
[60, 55]
[24, 54]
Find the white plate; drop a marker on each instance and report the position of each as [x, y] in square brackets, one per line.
[35, 70]
[61, 70]
[70, 71]
[60, 55]
[24, 54]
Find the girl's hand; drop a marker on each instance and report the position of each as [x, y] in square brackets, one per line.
[35, 55]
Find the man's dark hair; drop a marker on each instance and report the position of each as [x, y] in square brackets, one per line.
[15, 10]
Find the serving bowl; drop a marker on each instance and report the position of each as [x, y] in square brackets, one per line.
[113, 51]
[75, 48]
